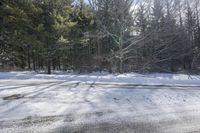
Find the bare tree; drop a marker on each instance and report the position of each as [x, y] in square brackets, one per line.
[120, 27]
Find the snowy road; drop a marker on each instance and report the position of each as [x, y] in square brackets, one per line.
[61, 106]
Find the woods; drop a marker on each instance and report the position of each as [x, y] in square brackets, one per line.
[95, 35]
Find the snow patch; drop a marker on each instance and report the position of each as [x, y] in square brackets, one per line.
[128, 78]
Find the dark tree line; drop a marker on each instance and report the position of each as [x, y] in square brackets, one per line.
[115, 35]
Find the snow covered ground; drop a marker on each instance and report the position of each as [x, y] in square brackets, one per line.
[128, 78]
[45, 98]
[70, 101]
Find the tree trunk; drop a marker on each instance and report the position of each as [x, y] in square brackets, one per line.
[29, 60]
[121, 66]
[98, 52]
[120, 52]
[34, 62]
[59, 66]
[48, 66]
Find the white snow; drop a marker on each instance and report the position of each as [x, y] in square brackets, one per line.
[98, 97]
[128, 78]
[51, 98]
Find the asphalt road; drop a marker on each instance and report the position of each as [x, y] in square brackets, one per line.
[171, 118]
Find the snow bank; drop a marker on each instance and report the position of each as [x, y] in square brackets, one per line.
[128, 78]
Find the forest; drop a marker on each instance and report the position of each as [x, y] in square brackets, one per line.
[100, 35]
